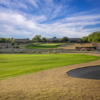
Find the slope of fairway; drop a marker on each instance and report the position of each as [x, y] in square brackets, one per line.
[44, 45]
[20, 64]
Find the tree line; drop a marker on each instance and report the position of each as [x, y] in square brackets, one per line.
[36, 38]
[94, 37]
[7, 40]
[39, 38]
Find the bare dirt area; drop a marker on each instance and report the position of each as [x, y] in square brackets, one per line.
[53, 84]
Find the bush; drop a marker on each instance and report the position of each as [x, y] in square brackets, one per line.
[33, 51]
[21, 52]
[17, 43]
[54, 51]
[12, 42]
[49, 51]
[39, 51]
[64, 39]
[6, 46]
[86, 48]
[13, 46]
[17, 46]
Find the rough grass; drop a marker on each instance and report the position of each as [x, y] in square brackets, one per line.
[53, 84]
[20, 64]
[44, 45]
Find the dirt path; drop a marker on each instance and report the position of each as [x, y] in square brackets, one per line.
[53, 84]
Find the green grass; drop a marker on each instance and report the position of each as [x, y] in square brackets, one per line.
[20, 64]
[44, 45]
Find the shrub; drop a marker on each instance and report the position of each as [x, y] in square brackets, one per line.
[12, 42]
[33, 51]
[54, 51]
[17, 43]
[49, 51]
[13, 46]
[6, 46]
[39, 51]
[17, 46]
[86, 48]
[21, 52]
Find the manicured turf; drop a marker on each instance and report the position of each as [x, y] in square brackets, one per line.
[44, 45]
[20, 64]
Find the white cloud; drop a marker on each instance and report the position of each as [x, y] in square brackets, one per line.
[83, 17]
[33, 2]
[18, 24]
[13, 4]
[11, 23]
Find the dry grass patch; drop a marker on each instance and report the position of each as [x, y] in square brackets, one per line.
[53, 84]
[84, 44]
[78, 45]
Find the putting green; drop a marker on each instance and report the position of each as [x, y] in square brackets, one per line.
[45, 45]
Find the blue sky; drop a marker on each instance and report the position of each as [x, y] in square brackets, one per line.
[49, 18]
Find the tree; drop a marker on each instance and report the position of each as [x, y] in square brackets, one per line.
[90, 39]
[2, 40]
[8, 40]
[64, 39]
[11, 39]
[12, 42]
[54, 38]
[85, 39]
[37, 38]
[94, 37]
[44, 39]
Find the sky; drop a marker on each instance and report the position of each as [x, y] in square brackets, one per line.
[49, 18]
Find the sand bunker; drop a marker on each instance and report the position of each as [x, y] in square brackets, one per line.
[92, 72]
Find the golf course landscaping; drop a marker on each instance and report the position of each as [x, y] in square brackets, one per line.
[45, 45]
[20, 64]
[37, 77]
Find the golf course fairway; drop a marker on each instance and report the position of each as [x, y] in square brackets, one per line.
[12, 65]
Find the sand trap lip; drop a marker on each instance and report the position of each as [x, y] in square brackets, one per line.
[91, 72]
